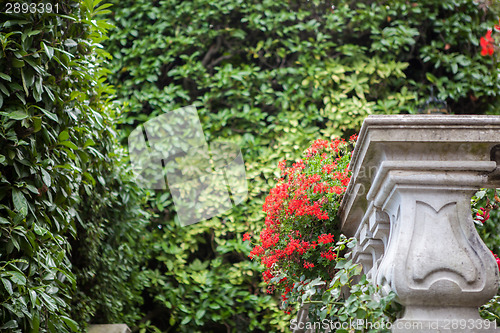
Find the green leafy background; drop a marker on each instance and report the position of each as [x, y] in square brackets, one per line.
[81, 243]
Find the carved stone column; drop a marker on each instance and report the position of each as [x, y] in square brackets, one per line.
[408, 204]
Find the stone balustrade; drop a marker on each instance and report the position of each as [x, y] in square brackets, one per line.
[408, 205]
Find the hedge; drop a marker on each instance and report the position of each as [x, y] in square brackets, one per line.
[68, 207]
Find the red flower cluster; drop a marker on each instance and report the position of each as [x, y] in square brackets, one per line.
[487, 42]
[308, 265]
[330, 254]
[325, 239]
[300, 212]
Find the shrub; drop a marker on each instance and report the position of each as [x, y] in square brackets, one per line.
[66, 204]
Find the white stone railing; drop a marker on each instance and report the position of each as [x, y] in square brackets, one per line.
[408, 204]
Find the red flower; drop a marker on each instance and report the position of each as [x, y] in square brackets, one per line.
[246, 236]
[308, 265]
[257, 251]
[325, 238]
[267, 275]
[487, 44]
[330, 255]
[497, 26]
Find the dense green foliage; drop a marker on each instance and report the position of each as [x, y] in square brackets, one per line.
[66, 202]
[79, 245]
[271, 76]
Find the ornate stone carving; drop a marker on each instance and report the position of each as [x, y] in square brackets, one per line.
[411, 215]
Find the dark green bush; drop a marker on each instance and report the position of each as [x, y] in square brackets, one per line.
[69, 214]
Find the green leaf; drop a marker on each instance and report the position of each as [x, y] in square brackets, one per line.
[5, 77]
[71, 323]
[39, 230]
[17, 278]
[70, 43]
[49, 92]
[33, 298]
[49, 114]
[4, 89]
[480, 194]
[69, 144]
[20, 203]
[25, 86]
[16, 63]
[37, 124]
[16, 115]
[200, 313]
[46, 178]
[63, 136]
[10, 324]
[431, 78]
[8, 286]
[89, 142]
[49, 51]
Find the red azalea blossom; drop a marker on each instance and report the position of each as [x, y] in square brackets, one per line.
[497, 26]
[246, 236]
[487, 44]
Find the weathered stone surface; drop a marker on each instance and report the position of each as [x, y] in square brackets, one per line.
[109, 328]
[408, 204]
